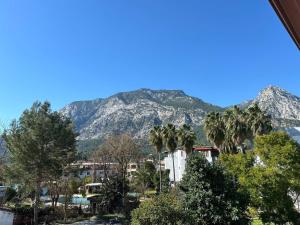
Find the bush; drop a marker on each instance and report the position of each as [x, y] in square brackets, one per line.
[165, 209]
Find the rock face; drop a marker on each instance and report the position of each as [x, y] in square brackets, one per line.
[135, 113]
[283, 106]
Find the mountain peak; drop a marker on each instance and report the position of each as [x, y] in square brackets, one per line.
[273, 90]
[279, 103]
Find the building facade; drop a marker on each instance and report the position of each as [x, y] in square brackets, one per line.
[210, 154]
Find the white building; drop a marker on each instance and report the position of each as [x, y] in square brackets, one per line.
[97, 170]
[180, 160]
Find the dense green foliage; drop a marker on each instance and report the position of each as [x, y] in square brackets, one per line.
[271, 176]
[144, 177]
[156, 140]
[165, 180]
[229, 131]
[40, 144]
[211, 194]
[186, 138]
[110, 197]
[165, 209]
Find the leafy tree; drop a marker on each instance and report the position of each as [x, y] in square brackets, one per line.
[141, 180]
[187, 138]
[211, 194]
[165, 209]
[110, 197]
[165, 181]
[40, 144]
[143, 177]
[270, 175]
[156, 139]
[170, 139]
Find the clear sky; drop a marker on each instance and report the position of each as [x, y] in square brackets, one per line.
[223, 52]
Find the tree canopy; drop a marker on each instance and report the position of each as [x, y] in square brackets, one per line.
[229, 131]
[40, 144]
[270, 175]
[165, 209]
[211, 194]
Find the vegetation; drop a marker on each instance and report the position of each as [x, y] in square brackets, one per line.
[41, 144]
[229, 131]
[270, 175]
[211, 194]
[123, 150]
[165, 209]
[187, 138]
[156, 139]
[165, 181]
[263, 183]
[144, 176]
[170, 140]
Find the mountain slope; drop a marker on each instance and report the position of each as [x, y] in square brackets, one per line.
[135, 112]
[283, 106]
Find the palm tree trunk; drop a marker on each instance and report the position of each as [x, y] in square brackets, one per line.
[174, 169]
[160, 184]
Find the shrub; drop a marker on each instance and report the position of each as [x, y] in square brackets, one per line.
[165, 209]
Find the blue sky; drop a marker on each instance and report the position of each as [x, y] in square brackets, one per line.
[223, 52]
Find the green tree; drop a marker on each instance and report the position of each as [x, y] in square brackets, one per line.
[229, 131]
[211, 194]
[165, 179]
[270, 174]
[40, 144]
[156, 139]
[258, 122]
[187, 138]
[215, 129]
[236, 127]
[170, 139]
[165, 209]
[143, 177]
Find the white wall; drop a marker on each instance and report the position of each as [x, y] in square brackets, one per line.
[6, 218]
[179, 162]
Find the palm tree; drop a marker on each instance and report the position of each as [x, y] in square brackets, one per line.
[170, 140]
[258, 122]
[187, 138]
[215, 129]
[156, 139]
[236, 127]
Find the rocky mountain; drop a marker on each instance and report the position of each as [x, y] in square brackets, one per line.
[283, 106]
[135, 112]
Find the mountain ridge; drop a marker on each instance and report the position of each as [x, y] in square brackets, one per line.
[135, 112]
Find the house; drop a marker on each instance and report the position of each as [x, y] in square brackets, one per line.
[131, 169]
[210, 154]
[92, 169]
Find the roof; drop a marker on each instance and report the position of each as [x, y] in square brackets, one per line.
[289, 13]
